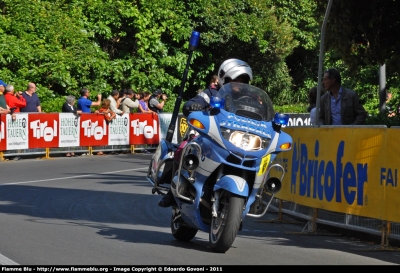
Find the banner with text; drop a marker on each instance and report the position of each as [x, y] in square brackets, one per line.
[343, 169]
[52, 130]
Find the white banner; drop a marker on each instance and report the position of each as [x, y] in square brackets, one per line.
[164, 120]
[118, 130]
[17, 132]
[69, 130]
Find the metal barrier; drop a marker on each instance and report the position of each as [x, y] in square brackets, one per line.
[87, 150]
[387, 230]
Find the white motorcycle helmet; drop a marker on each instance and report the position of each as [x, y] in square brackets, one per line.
[232, 69]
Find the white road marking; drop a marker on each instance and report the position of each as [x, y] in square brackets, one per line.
[69, 177]
[6, 261]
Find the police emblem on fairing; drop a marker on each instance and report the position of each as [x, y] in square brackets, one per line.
[183, 125]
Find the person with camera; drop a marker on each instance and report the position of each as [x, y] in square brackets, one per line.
[4, 109]
[154, 103]
[14, 100]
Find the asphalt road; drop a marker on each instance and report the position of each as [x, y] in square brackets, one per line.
[99, 210]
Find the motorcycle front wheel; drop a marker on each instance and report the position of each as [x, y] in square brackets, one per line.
[225, 226]
[180, 231]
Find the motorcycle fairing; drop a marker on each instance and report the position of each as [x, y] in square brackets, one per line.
[211, 127]
[190, 211]
[207, 166]
[234, 184]
[163, 153]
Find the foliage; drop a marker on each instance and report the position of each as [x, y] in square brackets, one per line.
[363, 33]
[291, 108]
[64, 45]
[383, 119]
[302, 63]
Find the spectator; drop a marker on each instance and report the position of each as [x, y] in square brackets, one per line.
[391, 110]
[105, 109]
[312, 99]
[114, 102]
[214, 83]
[84, 103]
[14, 100]
[202, 100]
[109, 115]
[143, 108]
[154, 104]
[122, 94]
[69, 107]
[32, 100]
[129, 102]
[144, 98]
[4, 109]
[339, 106]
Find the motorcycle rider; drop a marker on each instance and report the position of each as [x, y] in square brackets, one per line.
[231, 70]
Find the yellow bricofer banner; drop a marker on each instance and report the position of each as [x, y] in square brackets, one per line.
[347, 169]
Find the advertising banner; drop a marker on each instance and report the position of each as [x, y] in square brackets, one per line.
[119, 130]
[165, 120]
[93, 130]
[144, 129]
[68, 130]
[43, 131]
[342, 169]
[299, 119]
[17, 132]
[388, 176]
[3, 133]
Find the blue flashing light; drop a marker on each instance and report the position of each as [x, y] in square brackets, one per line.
[216, 102]
[282, 119]
[194, 40]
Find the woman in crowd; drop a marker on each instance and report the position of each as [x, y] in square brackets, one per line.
[143, 106]
[69, 107]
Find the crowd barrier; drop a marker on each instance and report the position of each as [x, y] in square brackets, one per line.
[342, 176]
[47, 133]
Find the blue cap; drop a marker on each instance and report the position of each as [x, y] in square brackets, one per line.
[2, 83]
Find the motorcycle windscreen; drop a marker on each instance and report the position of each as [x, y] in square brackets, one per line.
[247, 101]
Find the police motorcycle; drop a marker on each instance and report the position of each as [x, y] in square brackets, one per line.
[224, 171]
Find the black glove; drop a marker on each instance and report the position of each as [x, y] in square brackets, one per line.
[196, 107]
[187, 109]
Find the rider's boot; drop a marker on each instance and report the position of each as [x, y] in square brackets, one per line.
[167, 200]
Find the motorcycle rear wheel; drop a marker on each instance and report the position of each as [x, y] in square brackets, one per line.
[225, 226]
[180, 231]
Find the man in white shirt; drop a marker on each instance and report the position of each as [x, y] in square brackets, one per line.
[113, 97]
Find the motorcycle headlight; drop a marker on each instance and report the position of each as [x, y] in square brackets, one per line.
[245, 140]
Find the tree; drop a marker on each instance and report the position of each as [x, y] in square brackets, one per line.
[364, 33]
[63, 45]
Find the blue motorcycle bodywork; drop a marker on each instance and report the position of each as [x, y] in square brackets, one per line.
[235, 153]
